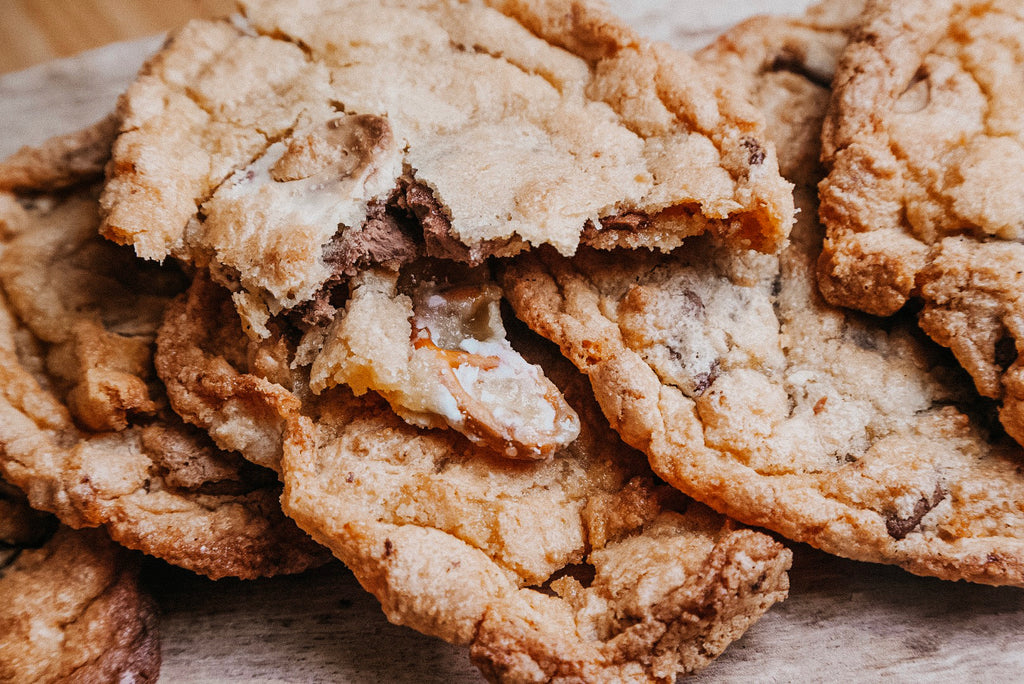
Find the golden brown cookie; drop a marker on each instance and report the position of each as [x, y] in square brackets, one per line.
[60, 161]
[925, 147]
[275, 152]
[750, 393]
[577, 565]
[84, 425]
[71, 608]
[443, 351]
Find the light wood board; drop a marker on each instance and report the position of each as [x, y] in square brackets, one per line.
[843, 621]
[34, 31]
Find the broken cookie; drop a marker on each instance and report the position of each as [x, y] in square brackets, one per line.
[313, 147]
[925, 149]
[575, 565]
[500, 126]
[440, 356]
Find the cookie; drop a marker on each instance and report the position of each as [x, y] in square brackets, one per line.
[71, 608]
[925, 145]
[61, 161]
[315, 140]
[575, 565]
[431, 341]
[749, 392]
[85, 429]
[240, 390]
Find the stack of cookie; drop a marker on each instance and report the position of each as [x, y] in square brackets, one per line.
[299, 284]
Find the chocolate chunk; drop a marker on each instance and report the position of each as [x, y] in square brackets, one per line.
[629, 221]
[383, 240]
[615, 227]
[898, 527]
[696, 304]
[794, 61]
[315, 312]
[704, 380]
[757, 155]
[437, 229]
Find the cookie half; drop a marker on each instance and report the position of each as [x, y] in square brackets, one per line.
[85, 428]
[275, 151]
[750, 393]
[71, 608]
[925, 147]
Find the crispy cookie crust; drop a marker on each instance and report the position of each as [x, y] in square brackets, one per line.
[749, 392]
[925, 145]
[70, 604]
[84, 426]
[252, 149]
[240, 390]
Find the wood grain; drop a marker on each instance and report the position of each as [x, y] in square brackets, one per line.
[33, 31]
[843, 620]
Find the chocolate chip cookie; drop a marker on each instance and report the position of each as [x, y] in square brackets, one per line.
[925, 147]
[579, 564]
[276, 152]
[71, 608]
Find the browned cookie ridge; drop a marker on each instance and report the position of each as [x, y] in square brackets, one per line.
[85, 428]
[925, 147]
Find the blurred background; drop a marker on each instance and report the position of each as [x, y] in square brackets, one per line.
[34, 31]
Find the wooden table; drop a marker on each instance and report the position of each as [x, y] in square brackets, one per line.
[34, 31]
[843, 620]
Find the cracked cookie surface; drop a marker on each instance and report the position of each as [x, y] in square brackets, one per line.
[925, 145]
[256, 150]
[71, 608]
[85, 428]
[749, 392]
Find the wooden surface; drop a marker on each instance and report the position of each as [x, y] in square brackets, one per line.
[843, 621]
[34, 31]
